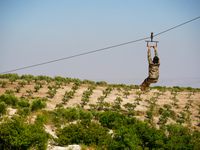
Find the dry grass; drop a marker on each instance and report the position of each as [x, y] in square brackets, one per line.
[140, 109]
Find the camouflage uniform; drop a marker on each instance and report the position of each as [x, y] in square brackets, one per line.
[153, 72]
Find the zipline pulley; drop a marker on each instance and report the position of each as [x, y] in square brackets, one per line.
[151, 40]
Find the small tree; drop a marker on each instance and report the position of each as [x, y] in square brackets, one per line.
[190, 102]
[37, 87]
[105, 93]
[126, 93]
[162, 120]
[189, 95]
[187, 107]
[30, 92]
[101, 99]
[109, 89]
[48, 80]
[74, 88]
[163, 90]
[139, 93]
[157, 94]
[9, 92]
[59, 106]
[59, 83]
[167, 106]
[129, 106]
[106, 105]
[175, 100]
[18, 89]
[3, 83]
[174, 93]
[22, 83]
[51, 93]
[138, 100]
[87, 94]
[116, 107]
[28, 80]
[119, 89]
[153, 100]
[93, 106]
[40, 83]
[65, 100]
[183, 115]
[69, 94]
[91, 88]
[12, 79]
[85, 100]
[118, 100]
[180, 121]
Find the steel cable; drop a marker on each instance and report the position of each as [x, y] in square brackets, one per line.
[98, 50]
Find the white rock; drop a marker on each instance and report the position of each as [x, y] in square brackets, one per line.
[70, 147]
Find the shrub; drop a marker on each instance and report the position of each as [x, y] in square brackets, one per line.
[116, 107]
[30, 92]
[3, 108]
[111, 119]
[51, 93]
[85, 114]
[16, 134]
[59, 106]
[37, 87]
[41, 119]
[3, 83]
[129, 106]
[23, 111]
[167, 106]
[84, 132]
[118, 100]
[9, 99]
[18, 89]
[9, 92]
[70, 114]
[37, 104]
[65, 100]
[24, 103]
[22, 83]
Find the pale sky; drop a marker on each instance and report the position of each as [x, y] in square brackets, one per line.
[38, 31]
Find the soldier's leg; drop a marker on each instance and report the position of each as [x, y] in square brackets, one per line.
[144, 86]
[154, 80]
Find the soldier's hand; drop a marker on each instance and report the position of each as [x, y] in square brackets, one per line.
[149, 46]
[154, 47]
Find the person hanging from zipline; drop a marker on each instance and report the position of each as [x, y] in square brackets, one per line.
[153, 70]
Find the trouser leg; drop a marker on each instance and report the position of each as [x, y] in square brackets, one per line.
[145, 84]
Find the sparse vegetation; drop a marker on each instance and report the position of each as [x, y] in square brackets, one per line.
[88, 115]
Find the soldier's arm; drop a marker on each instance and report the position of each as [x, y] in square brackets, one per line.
[156, 53]
[149, 55]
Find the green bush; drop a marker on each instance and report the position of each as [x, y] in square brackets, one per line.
[9, 99]
[41, 119]
[24, 103]
[179, 138]
[70, 114]
[3, 108]
[16, 134]
[86, 132]
[84, 114]
[111, 120]
[9, 92]
[37, 104]
[23, 111]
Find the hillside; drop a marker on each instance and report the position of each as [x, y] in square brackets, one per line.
[158, 107]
